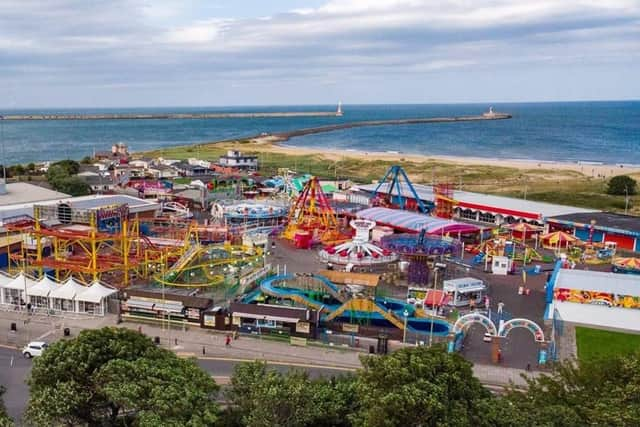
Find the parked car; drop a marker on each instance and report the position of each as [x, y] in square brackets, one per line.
[34, 349]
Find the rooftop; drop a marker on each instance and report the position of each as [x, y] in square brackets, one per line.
[541, 209]
[602, 219]
[597, 281]
[22, 192]
[84, 202]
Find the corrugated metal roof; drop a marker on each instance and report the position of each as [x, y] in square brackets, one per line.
[626, 319]
[597, 281]
[425, 192]
[83, 202]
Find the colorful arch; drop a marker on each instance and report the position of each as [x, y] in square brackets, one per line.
[533, 327]
[466, 320]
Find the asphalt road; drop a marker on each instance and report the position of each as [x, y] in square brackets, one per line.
[13, 375]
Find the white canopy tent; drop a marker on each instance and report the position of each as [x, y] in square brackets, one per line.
[38, 294]
[93, 299]
[13, 290]
[63, 298]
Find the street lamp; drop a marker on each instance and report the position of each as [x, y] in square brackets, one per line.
[438, 266]
[406, 317]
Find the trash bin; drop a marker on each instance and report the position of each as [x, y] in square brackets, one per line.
[14, 327]
[372, 349]
[156, 340]
[66, 332]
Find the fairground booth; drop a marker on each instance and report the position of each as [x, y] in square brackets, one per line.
[600, 227]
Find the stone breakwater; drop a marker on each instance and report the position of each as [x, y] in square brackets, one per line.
[168, 116]
[284, 136]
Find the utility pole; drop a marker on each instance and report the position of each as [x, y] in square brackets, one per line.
[626, 200]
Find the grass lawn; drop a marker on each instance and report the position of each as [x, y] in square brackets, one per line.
[553, 186]
[597, 343]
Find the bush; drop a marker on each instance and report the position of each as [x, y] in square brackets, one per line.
[622, 185]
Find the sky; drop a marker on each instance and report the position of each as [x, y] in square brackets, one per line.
[130, 53]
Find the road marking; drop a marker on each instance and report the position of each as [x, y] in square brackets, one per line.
[43, 336]
[269, 362]
[10, 347]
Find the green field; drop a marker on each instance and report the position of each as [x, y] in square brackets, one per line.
[553, 186]
[597, 343]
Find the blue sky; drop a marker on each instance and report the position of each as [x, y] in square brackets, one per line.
[72, 53]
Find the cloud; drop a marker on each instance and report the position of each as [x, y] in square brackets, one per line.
[143, 43]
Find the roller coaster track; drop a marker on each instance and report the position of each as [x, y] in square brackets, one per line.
[186, 258]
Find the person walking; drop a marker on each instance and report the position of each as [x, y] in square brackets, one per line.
[227, 340]
[472, 304]
[500, 307]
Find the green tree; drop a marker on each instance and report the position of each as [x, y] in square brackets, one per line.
[593, 392]
[263, 397]
[72, 185]
[5, 419]
[31, 167]
[621, 185]
[419, 387]
[86, 160]
[18, 170]
[71, 167]
[118, 377]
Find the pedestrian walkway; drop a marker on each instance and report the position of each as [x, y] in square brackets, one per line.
[212, 344]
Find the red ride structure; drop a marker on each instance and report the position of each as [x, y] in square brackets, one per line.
[312, 219]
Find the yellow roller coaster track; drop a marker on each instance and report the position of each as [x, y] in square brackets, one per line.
[213, 279]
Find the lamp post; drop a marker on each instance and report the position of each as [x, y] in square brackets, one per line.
[438, 266]
[406, 317]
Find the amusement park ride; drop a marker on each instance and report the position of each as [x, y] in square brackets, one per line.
[359, 254]
[92, 244]
[396, 180]
[312, 219]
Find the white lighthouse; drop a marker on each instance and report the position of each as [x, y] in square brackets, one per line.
[339, 110]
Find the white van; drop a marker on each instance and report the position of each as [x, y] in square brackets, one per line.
[463, 290]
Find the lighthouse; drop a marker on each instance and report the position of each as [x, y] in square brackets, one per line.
[339, 110]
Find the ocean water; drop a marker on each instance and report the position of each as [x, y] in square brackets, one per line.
[604, 132]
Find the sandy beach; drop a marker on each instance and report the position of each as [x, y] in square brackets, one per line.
[274, 144]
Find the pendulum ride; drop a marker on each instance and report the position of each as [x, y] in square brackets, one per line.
[312, 219]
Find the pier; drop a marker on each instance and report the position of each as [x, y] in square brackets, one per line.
[284, 136]
[170, 116]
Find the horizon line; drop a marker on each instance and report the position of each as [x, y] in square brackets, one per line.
[485, 103]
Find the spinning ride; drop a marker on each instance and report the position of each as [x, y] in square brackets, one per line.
[418, 248]
[359, 252]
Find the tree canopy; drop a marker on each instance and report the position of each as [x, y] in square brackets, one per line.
[261, 397]
[622, 185]
[5, 419]
[418, 387]
[593, 392]
[114, 376]
[62, 177]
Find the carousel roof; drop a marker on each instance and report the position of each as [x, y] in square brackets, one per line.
[559, 237]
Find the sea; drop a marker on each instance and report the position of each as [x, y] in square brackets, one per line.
[586, 132]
